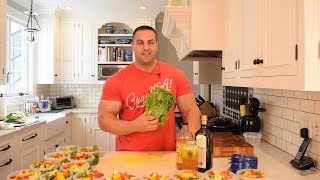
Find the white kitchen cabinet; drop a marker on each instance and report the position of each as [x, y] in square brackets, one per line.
[233, 31]
[30, 147]
[55, 142]
[48, 48]
[281, 52]
[3, 30]
[77, 51]
[78, 129]
[68, 131]
[98, 137]
[7, 160]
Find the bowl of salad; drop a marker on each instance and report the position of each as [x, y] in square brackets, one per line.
[89, 175]
[45, 165]
[81, 157]
[56, 156]
[57, 174]
[95, 150]
[217, 175]
[67, 149]
[250, 174]
[117, 175]
[25, 174]
[156, 176]
[187, 175]
[75, 167]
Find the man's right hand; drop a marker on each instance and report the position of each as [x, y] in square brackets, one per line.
[146, 123]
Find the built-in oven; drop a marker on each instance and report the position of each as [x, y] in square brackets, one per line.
[106, 70]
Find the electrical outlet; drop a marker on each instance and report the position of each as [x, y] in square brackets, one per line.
[315, 130]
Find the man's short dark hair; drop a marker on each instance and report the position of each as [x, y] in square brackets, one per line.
[144, 27]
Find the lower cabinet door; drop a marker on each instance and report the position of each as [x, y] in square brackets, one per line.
[6, 167]
[27, 156]
[103, 139]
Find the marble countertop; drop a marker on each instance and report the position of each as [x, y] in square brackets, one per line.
[272, 161]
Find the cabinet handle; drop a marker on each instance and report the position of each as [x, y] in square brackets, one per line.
[223, 68]
[92, 75]
[67, 122]
[35, 135]
[255, 61]
[57, 145]
[7, 163]
[238, 64]
[261, 61]
[56, 75]
[6, 148]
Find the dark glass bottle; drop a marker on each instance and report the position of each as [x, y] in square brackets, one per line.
[204, 144]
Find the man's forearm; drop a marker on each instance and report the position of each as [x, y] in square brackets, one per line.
[115, 126]
[193, 119]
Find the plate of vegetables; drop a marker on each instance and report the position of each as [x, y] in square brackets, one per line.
[156, 176]
[218, 175]
[89, 175]
[187, 175]
[75, 167]
[57, 174]
[81, 157]
[25, 174]
[95, 150]
[45, 165]
[117, 175]
[67, 149]
[56, 156]
[250, 174]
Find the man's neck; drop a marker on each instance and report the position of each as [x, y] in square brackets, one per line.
[146, 67]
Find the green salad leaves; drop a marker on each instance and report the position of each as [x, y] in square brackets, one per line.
[159, 102]
[15, 117]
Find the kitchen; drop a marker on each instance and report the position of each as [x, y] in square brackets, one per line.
[292, 102]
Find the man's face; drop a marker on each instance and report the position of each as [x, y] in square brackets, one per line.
[145, 46]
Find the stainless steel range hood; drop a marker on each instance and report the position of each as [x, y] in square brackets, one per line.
[196, 30]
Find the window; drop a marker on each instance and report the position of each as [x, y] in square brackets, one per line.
[17, 62]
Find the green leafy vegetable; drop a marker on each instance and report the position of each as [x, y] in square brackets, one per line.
[159, 102]
[15, 117]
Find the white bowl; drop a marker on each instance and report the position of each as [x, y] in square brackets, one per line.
[51, 156]
[253, 138]
[86, 173]
[240, 176]
[187, 174]
[95, 153]
[54, 165]
[45, 175]
[90, 158]
[224, 174]
[35, 176]
[75, 167]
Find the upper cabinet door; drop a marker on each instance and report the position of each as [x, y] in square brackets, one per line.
[3, 15]
[252, 36]
[232, 49]
[280, 37]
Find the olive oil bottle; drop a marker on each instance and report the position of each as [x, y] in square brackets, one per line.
[204, 144]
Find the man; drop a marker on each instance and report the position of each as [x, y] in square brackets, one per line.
[125, 92]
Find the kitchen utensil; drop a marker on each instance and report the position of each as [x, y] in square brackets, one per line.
[124, 31]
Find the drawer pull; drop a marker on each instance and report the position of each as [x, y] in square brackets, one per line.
[6, 148]
[35, 135]
[7, 163]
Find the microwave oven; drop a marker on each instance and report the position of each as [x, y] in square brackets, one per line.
[61, 102]
[106, 70]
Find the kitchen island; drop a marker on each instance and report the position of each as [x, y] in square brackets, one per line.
[272, 161]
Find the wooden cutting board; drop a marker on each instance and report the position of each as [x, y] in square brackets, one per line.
[226, 143]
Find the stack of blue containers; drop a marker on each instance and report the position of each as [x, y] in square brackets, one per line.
[240, 161]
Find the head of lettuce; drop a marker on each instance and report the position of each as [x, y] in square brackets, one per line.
[159, 102]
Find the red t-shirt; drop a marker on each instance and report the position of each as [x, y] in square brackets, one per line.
[131, 86]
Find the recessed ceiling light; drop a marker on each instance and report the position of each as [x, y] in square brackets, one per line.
[143, 7]
[68, 8]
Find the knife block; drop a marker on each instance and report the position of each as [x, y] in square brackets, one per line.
[207, 109]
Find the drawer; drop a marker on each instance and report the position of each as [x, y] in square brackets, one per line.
[6, 148]
[29, 138]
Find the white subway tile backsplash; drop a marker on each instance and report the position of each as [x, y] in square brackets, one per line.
[281, 144]
[293, 127]
[287, 114]
[294, 103]
[300, 94]
[283, 102]
[273, 100]
[317, 107]
[307, 106]
[277, 92]
[274, 110]
[292, 149]
[287, 93]
[276, 131]
[314, 95]
[287, 136]
[313, 147]
[296, 139]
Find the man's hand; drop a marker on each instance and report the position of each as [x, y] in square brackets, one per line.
[146, 123]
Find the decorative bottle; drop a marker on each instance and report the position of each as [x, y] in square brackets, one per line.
[204, 144]
[183, 135]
